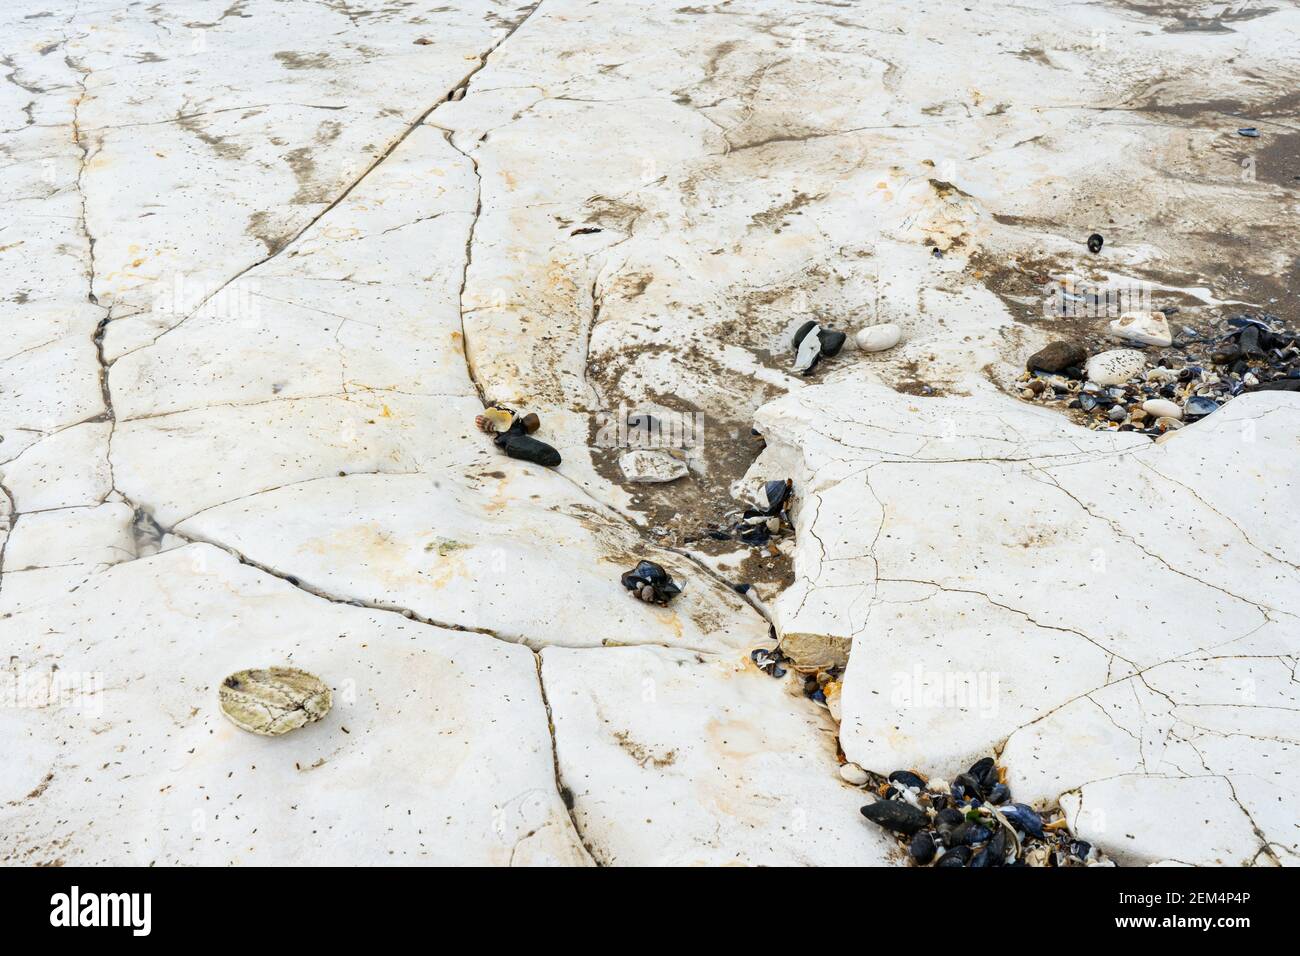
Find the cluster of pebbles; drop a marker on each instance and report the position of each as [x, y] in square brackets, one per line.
[1167, 381]
[973, 822]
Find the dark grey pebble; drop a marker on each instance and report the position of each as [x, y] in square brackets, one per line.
[1056, 356]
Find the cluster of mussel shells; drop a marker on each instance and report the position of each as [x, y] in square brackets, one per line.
[756, 526]
[1192, 378]
[649, 582]
[972, 822]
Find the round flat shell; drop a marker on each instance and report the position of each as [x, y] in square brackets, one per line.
[273, 700]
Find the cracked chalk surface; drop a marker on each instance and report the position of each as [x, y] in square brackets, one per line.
[264, 262]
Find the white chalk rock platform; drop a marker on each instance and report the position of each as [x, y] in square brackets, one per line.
[266, 261]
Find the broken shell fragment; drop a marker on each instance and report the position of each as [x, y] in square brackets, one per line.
[274, 700]
[495, 419]
[807, 347]
[651, 583]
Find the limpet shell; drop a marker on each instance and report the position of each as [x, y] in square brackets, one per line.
[273, 700]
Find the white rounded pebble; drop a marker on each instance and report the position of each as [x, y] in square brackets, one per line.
[852, 773]
[1116, 366]
[1162, 408]
[877, 338]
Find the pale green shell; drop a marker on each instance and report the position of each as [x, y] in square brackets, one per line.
[274, 700]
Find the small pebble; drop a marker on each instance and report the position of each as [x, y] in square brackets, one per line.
[852, 773]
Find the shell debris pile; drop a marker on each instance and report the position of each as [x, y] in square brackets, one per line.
[972, 822]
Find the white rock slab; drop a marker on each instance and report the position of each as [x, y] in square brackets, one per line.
[68, 469]
[1018, 608]
[508, 552]
[131, 762]
[674, 759]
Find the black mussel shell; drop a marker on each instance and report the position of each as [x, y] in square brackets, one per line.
[1024, 817]
[969, 785]
[647, 573]
[999, 793]
[921, 849]
[832, 341]
[957, 856]
[803, 331]
[516, 443]
[998, 847]
[896, 815]
[776, 493]
[969, 833]
[907, 779]
[984, 771]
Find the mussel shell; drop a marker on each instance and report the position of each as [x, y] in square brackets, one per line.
[1025, 818]
[907, 779]
[984, 771]
[803, 332]
[274, 700]
[922, 848]
[897, 816]
[776, 493]
[832, 341]
[526, 448]
[957, 856]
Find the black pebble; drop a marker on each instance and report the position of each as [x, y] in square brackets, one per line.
[1095, 242]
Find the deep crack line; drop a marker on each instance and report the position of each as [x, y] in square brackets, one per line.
[457, 94]
[564, 793]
